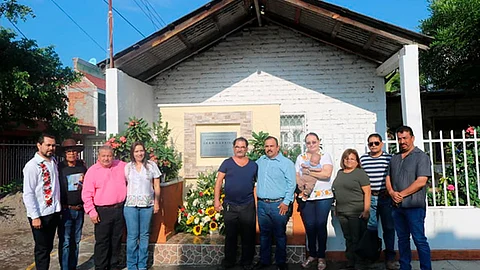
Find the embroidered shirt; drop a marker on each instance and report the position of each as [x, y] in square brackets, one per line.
[323, 188]
[140, 191]
[104, 186]
[33, 187]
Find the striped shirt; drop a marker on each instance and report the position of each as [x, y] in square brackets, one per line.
[376, 169]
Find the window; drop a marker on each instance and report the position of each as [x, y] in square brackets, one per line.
[292, 130]
[102, 113]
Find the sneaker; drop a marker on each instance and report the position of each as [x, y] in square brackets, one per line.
[392, 265]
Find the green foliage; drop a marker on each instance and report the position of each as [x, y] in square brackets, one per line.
[12, 187]
[197, 214]
[453, 60]
[258, 145]
[292, 152]
[167, 158]
[447, 182]
[32, 80]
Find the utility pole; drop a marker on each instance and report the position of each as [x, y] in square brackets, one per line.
[110, 32]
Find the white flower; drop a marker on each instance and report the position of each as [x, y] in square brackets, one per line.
[203, 223]
[210, 202]
[206, 218]
[195, 202]
[202, 206]
[196, 220]
[217, 216]
[185, 204]
[179, 219]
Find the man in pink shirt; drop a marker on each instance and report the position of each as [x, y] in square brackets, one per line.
[103, 194]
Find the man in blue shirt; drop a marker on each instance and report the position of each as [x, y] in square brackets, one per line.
[275, 186]
[239, 173]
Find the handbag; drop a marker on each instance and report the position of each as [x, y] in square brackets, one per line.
[370, 246]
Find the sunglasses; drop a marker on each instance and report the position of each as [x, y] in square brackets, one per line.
[312, 142]
[370, 144]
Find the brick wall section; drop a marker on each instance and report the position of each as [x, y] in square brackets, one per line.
[339, 92]
[81, 102]
[244, 119]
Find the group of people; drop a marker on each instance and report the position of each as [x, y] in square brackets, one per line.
[374, 185]
[113, 193]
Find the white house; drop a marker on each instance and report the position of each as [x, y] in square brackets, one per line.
[283, 66]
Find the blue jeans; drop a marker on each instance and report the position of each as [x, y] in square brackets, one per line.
[272, 223]
[137, 220]
[314, 216]
[69, 236]
[382, 206]
[412, 221]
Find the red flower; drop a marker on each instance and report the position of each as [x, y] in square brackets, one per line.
[123, 139]
[185, 214]
[182, 209]
[199, 211]
[470, 131]
[200, 194]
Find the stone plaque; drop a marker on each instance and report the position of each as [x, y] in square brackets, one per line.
[217, 144]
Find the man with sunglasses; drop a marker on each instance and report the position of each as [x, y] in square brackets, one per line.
[375, 163]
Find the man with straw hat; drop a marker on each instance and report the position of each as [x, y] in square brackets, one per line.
[71, 173]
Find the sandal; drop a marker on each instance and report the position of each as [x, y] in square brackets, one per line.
[322, 264]
[308, 262]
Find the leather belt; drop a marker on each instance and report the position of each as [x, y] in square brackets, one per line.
[75, 207]
[117, 205]
[270, 200]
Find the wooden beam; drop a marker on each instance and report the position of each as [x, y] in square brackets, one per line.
[257, 10]
[298, 14]
[185, 41]
[336, 29]
[345, 20]
[389, 65]
[370, 41]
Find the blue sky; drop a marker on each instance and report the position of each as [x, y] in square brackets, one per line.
[52, 27]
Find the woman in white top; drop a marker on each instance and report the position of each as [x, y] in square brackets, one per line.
[316, 209]
[143, 199]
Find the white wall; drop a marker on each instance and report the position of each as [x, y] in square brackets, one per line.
[445, 228]
[340, 94]
[127, 97]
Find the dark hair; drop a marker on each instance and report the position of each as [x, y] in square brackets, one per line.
[311, 134]
[374, 135]
[240, 139]
[42, 137]
[132, 150]
[347, 153]
[271, 137]
[403, 129]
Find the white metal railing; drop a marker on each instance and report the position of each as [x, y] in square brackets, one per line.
[455, 168]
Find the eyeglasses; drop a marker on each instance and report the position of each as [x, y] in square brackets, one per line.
[311, 142]
[370, 144]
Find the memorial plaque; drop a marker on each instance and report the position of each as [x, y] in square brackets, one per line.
[217, 144]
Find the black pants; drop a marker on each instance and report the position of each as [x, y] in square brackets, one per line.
[353, 229]
[108, 236]
[43, 238]
[239, 219]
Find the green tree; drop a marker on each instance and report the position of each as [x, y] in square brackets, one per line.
[32, 80]
[453, 60]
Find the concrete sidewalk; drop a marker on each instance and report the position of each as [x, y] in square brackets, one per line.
[87, 247]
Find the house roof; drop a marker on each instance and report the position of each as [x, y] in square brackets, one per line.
[98, 82]
[350, 31]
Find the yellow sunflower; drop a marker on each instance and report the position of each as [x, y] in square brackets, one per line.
[197, 230]
[213, 226]
[210, 211]
[190, 220]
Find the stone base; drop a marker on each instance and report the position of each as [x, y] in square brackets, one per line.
[187, 249]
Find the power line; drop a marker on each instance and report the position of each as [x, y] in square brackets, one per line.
[125, 19]
[146, 14]
[147, 3]
[160, 17]
[83, 30]
[18, 29]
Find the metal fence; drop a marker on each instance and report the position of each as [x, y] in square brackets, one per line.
[15, 154]
[455, 168]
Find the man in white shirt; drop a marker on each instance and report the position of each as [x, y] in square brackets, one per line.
[41, 196]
